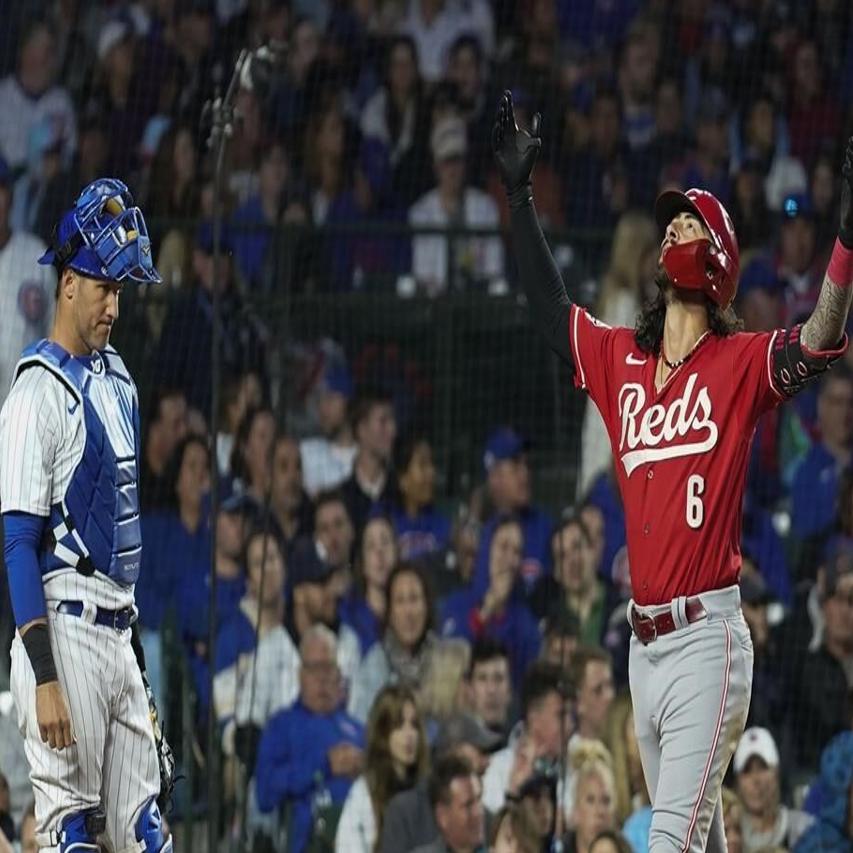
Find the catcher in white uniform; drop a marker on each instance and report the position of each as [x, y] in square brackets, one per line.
[69, 460]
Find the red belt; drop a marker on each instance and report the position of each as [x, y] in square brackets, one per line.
[649, 628]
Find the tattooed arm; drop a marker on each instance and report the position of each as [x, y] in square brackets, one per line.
[825, 327]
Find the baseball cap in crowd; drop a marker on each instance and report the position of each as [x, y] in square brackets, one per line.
[756, 742]
[797, 206]
[112, 33]
[336, 378]
[240, 504]
[503, 443]
[753, 590]
[465, 728]
[308, 564]
[760, 274]
[204, 238]
[449, 138]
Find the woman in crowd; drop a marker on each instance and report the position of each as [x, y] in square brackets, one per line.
[397, 759]
[177, 541]
[512, 832]
[631, 805]
[395, 116]
[593, 801]
[443, 690]
[364, 608]
[408, 641]
[421, 529]
[500, 613]
[252, 453]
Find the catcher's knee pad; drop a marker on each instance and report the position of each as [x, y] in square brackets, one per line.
[149, 830]
[78, 832]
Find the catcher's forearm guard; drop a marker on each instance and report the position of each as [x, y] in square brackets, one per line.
[794, 365]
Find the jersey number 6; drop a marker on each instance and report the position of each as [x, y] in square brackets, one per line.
[695, 510]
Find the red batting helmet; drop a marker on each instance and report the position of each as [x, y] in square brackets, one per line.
[712, 267]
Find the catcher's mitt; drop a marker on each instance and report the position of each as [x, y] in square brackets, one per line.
[165, 756]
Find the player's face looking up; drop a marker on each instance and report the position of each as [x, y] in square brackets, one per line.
[684, 228]
[86, 311]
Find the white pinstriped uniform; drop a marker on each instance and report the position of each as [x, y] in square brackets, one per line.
[114, 761]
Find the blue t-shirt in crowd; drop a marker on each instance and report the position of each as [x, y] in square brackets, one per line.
[426, 533]
[814, 493]
[293, 765]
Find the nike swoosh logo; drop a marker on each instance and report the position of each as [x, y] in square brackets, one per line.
[632, 359]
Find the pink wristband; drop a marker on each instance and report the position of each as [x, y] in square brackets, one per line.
[840, 269]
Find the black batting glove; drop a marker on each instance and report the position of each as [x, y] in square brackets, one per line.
[845, 230]
[515, 152]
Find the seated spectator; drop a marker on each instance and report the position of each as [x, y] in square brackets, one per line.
[166, 428]
[316, 596]
[764, 145]
[509, 493]
[255, 223]
[237, 518]
[591, 674]
[592, 797]
[241, 392]
[31, 92]
[26, 289]
[767, 705]
[374, 427]
[396, 759]
[765, 822]
[421, 529]
[409, 821]
[575, 586]
[708, 164]
[546, 727]
[257, 664]
[453, 202]
[814, 491]
[498, 613]
[311, 753]
[252, 454]
[185, 343]
[513, 832]
[560, 639]
[732, 817]
[288, 502]
[396, 116]
[820, 688]
[490, 686]
[333, 530]
[442, 693]
[604, 494]
[832, 832]
[797, 262]
[455, 793]
[636, 79]
[327, 458]
[408, 641]
[173, 186]
[364, 607]
[177, 541]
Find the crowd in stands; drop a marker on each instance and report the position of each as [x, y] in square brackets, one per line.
[397, 668]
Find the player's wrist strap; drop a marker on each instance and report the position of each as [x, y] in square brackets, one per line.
[37, 644]
[840, 269]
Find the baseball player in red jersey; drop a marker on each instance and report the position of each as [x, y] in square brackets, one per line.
[680, 395]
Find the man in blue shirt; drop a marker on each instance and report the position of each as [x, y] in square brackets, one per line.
[311, 752]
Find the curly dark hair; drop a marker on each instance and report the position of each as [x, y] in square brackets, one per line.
[648, 332]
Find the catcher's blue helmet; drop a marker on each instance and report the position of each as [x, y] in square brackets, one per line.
[103, 236]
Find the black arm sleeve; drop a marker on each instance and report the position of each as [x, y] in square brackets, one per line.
[538, 273]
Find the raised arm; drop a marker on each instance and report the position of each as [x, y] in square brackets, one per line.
[515, 152]
[825, 327]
